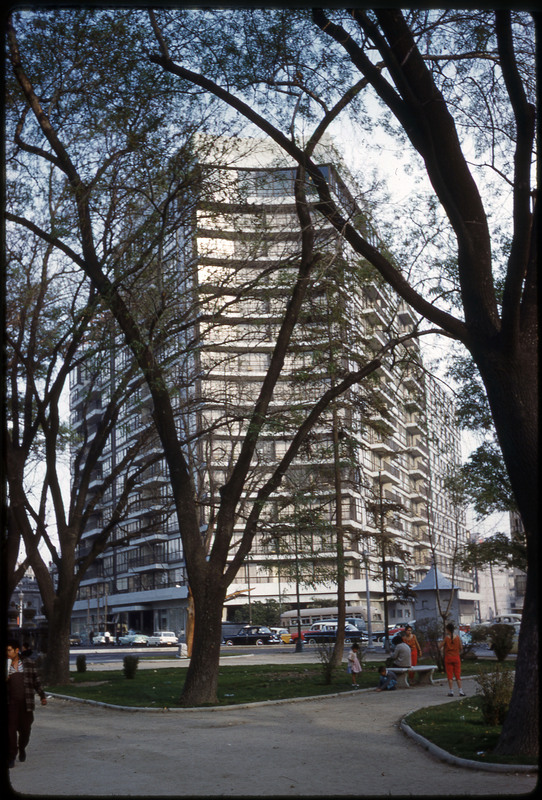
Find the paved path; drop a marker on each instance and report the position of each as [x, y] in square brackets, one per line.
[345, 746]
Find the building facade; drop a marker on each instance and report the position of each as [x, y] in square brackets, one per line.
[374, 466]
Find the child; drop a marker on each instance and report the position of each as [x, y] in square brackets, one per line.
[387, 681]
[353, 664]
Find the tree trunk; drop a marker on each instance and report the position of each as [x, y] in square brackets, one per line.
[511, 385]
[338, 649]
[201, 683]
[520, 729]
[56, 670]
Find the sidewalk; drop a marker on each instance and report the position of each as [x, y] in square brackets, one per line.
[343, 746]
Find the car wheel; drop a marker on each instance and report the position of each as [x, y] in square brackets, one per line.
[312, 641]
[229, 642]
[348, 641]
[259, 642]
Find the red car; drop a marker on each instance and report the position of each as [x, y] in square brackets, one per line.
[294, 635]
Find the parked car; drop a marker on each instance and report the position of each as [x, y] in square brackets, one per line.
[252, 634]
[283, 634]
[162, 638]
[75, 640]
[102, 638]
[132, 639]
[294, 636]
[508, 619]
[379, 635]
[327, 632]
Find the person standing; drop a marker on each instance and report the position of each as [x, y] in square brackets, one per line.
[414, 645]
[354, 664]
[23, 683]
[451, 645]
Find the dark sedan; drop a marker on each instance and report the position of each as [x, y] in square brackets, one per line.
[252, 634]
[328, 633]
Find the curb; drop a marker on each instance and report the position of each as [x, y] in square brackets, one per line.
[443, 755]
[230, 707]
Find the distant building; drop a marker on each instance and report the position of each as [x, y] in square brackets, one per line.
[438, 599]
[502, 589]
[236, 258]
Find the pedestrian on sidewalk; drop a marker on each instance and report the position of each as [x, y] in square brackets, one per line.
[451, 645]
[354, 666]
[23, 683]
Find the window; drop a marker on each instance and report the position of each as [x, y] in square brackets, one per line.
[272, 183]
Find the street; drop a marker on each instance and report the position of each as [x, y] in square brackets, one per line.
[102, 654]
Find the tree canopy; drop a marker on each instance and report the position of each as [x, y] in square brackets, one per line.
[454, 89]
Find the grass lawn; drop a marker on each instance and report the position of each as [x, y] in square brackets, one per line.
[457, 727]
[161, 687]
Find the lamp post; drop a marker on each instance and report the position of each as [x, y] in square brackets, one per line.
[21, 598]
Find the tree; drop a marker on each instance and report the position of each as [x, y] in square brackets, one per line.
[497, 549]
[53, 328]
[429, 93]
[99, 186]
[485, 480]
[57, 324]
[388, 548]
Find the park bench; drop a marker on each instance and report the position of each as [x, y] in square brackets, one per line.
[425, 672]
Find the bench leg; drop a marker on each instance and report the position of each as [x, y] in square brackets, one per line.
[426, 678]
[402, 680]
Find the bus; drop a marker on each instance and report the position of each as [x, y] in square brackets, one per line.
[355, 615]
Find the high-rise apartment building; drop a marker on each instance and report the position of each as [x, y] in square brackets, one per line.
[374, 464]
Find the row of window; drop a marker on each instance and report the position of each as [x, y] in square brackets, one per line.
[139, 582]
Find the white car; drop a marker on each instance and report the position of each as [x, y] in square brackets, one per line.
[134, 639]
[102, 638]
[283, 634]
[162, 638]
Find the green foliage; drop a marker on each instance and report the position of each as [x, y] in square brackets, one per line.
[473, 410]
[81, 663]
[130, 665]
[429, 634]
[486, 481]
[259, 612]
[495, 688]
[479, 634]
[497, 549]
[500, 638]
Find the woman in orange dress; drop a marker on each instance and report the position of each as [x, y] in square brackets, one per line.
[415, 649]
[452, 659]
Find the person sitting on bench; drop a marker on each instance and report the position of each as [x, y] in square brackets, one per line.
[402, 655]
